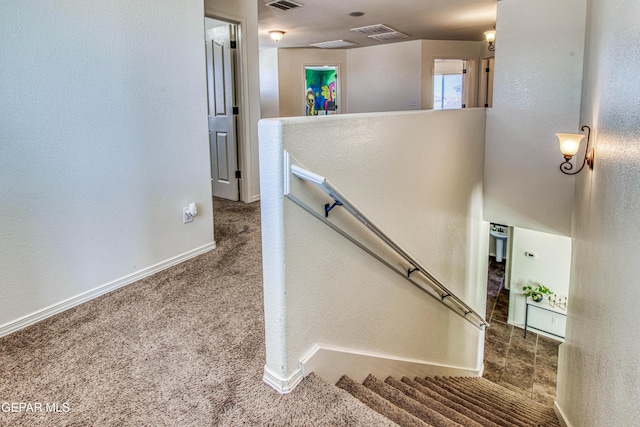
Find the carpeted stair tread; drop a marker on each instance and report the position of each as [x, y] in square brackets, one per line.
[499, 393]
[449, 401]
[497, 407]
[470, 413]
[496, 393]
[427, 401]
[399, 399]
[379, 404]
[485, 410]
[517, 411]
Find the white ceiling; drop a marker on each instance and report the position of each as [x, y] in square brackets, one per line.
[327, 20]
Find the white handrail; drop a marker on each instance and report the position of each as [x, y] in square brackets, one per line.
[444, 295]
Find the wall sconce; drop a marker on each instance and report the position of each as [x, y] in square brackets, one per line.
[276, 35]
[569, 146]
[490, 36]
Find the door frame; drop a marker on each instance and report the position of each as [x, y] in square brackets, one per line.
[486, 82]
[243, 129]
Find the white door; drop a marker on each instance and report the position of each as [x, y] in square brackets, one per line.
[222, 132]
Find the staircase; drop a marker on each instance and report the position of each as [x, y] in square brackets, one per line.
[449, 401]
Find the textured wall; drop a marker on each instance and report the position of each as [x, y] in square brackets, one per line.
[537, 87]
[269, 86]
[104, 140]
[599, 380]
[417, 176]
[385, 77]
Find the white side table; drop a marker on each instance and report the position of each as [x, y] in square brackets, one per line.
[544, 317]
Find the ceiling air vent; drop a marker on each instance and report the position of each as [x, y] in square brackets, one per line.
[283, 4]
[381, 33]
[387, 37]
[372, 30]
[334, 44]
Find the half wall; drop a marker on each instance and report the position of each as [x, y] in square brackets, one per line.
[418, 176]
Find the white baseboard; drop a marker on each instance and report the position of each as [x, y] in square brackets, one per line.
[561, 416]
[330, 363]
[254, 198]
[39, 315]
[282, 385]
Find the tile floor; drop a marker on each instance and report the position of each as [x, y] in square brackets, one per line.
[527, 366]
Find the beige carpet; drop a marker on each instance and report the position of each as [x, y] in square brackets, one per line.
[450, 402]
[184, 347]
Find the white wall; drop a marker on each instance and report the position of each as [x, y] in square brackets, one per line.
[291, 63]
[104, 141]
[598, 374]
[245, 13]
[399, 76]
[550, 267]
[269, 86]
[417, 176]
[537, 86]
[385, 77]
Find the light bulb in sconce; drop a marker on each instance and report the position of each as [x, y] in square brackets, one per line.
[276, 35]
[490, 37]
[569, 146]
[569, 143]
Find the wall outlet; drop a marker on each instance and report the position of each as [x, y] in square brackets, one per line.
[186, 215]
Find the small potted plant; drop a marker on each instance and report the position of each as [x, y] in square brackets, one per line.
[536, 292]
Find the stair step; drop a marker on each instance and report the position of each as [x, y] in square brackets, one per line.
[498, 419]
[494, 407]
[474, 415]
[399, 399]
[499, 393]
[519, 409]
[509, 399]
[379, 404]
[428, 402]
[449, 402]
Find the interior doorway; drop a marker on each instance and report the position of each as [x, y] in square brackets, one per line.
[321, 90]
[221, 42]
[448, 84]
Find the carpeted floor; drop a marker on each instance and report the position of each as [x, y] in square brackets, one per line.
[184, 347]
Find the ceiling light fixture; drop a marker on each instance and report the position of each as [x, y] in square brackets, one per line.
[569, 146]
[276, 35]
[490, 36]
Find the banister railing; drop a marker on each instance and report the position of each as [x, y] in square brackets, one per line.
[414, 273]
